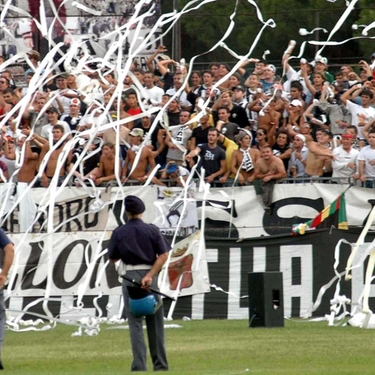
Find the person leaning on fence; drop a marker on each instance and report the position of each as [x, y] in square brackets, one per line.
[268, 170]
[212, 157]
[366, 162]
[144, 250]
[8, 254]
[244, 158]
[297, 162]
[319, 157]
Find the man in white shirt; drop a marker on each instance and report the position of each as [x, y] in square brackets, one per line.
[297, 161]
[344, 164]
[53, 118]
[361, 114]
[64, 93]
[155, 93]
[182, 98]
[366, 165]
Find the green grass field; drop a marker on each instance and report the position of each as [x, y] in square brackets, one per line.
[199, 347]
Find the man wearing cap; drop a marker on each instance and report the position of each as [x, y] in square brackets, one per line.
[73, 118]
[143, 250]
[294, 113]
[144, 165]
[269, 78]
[321, 66]
[244, 159]
[63, 93]
[319, 157]
[345, 165]
[53, 118]
[297, 161]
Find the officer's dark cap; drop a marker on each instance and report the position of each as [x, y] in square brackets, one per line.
[134, 205]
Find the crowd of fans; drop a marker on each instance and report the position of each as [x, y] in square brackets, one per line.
[252, 127]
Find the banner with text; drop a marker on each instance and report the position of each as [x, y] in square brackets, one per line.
[73, 264]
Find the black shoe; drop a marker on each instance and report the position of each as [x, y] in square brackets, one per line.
[1, 365]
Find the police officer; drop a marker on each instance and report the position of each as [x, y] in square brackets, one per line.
[8, 254]
[144, 250]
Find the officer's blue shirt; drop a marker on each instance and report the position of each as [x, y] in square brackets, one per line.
[137, 243]
[4, 241]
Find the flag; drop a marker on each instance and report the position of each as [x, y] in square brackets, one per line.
[334, 214]
[187, 270]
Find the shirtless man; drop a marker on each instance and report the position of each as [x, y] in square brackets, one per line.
[268, 117]
[146, 162]
[106, 170]
[319, 157]
[244, 159]
[28, 169]
[50, 168]
[268, 169]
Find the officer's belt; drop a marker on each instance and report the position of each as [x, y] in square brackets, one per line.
[130, 267]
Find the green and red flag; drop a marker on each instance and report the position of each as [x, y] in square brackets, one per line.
[332, 215]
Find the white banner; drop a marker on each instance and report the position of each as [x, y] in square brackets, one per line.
[234, 213]
[63, 264]
[186, 272]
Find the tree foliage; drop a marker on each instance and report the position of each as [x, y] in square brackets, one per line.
[202, 28]
[366, 16]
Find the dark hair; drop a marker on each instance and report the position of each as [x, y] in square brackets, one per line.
[226, 66]
[197, 72]
[149, 72]
[367, 92]
[285, 132]
[139, 70]
[130, 92]
[226, 108]
[211, 130]
[296, 85]
[353, 127]
[214, 64]
[8, 91]
[59, 127]
[207, 72]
